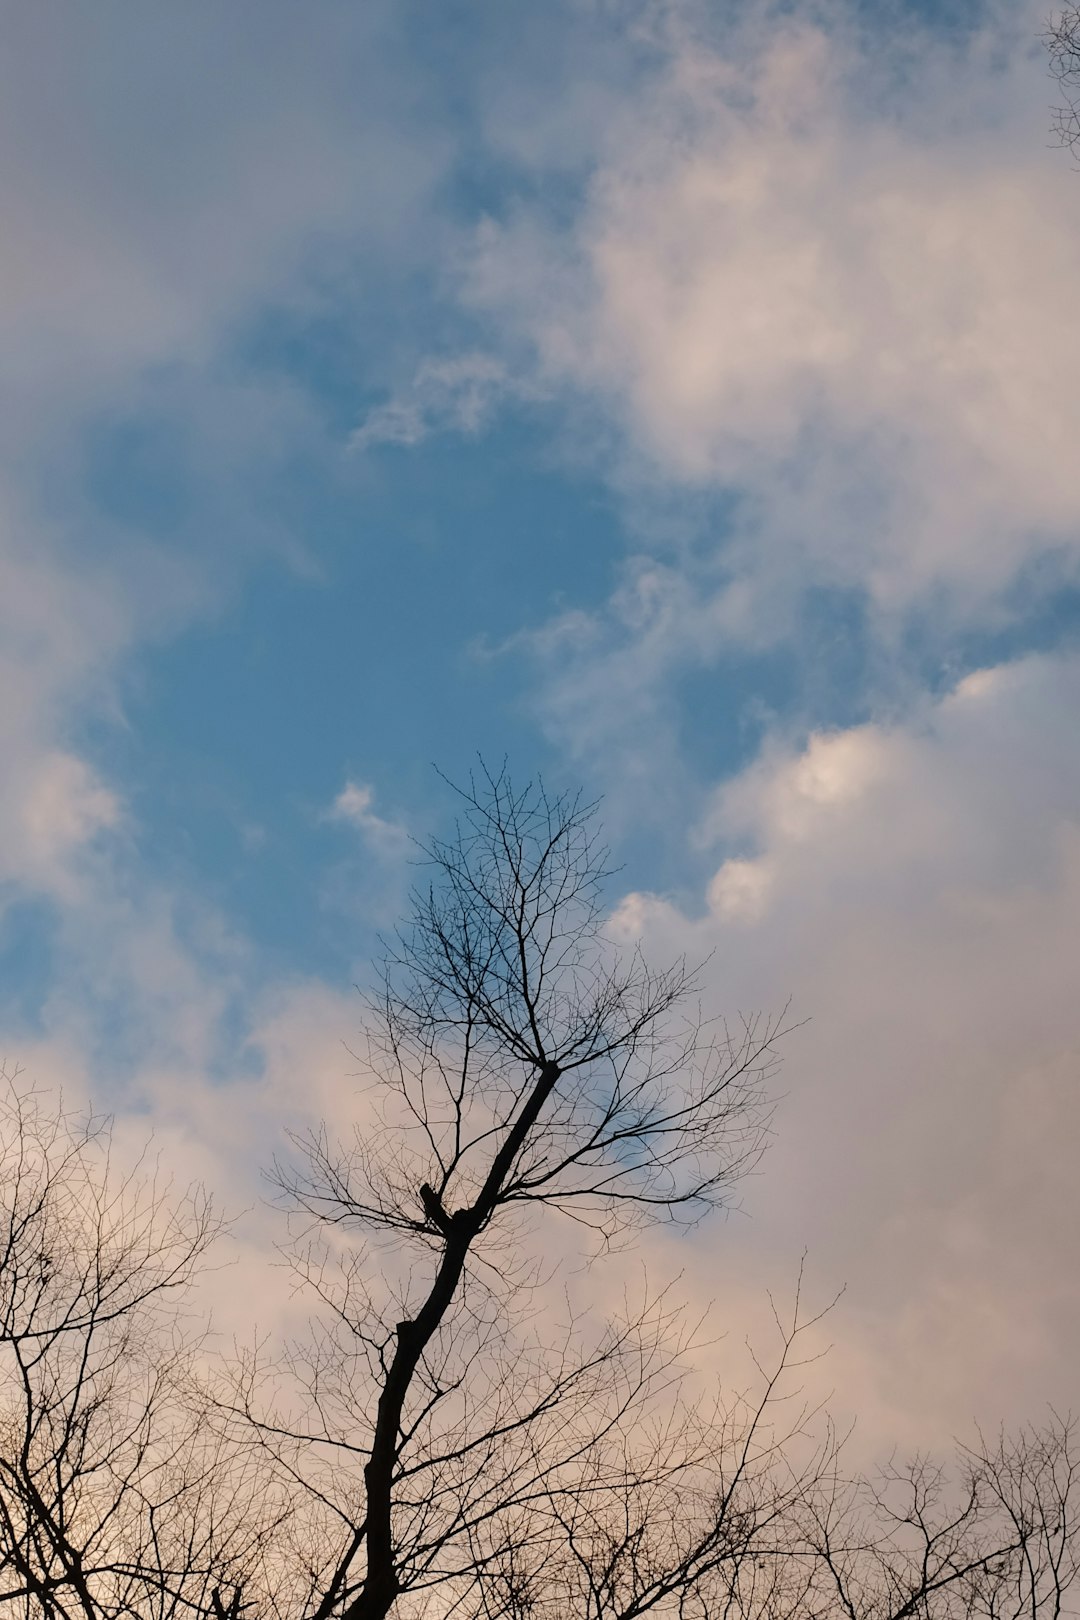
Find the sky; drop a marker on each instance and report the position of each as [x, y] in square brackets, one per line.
[675, 400]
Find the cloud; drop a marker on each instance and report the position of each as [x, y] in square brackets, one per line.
[353, 806]
[176, 1119]
[832, 276]
[63, 807]
[916, 888]
[446, 396]
[155, 177]
[61, 629]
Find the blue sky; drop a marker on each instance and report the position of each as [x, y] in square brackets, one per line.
[675, 399]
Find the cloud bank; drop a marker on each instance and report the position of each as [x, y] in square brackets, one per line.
[916, 887]
[829, 270]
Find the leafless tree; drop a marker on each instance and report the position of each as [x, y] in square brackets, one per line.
[114, 1501]
[470, 1431]
[1063, 43]
[528, 1076]
[467, 1445]
[996, 1539]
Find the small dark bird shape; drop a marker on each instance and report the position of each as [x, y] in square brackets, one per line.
[433, 1209]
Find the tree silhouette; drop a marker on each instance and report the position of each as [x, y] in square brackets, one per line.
[114, 1500]
[470, 1431]
[1063, 43]
[473, 1448]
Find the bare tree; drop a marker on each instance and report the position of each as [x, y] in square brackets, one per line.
[114, 1501]
[1063, 43]
[996, 1539]
[465, 1434]
[468, 1446]
[525, 1069]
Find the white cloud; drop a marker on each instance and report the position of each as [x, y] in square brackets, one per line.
[60, 631]
[353, 805]
[916, 888]
[223, 1133]
[64, 806]
[838, 278]
[740, 889]
[446, 396]
[154, 177]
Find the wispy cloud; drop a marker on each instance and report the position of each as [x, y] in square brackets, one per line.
[353, 806]
[457, 395]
